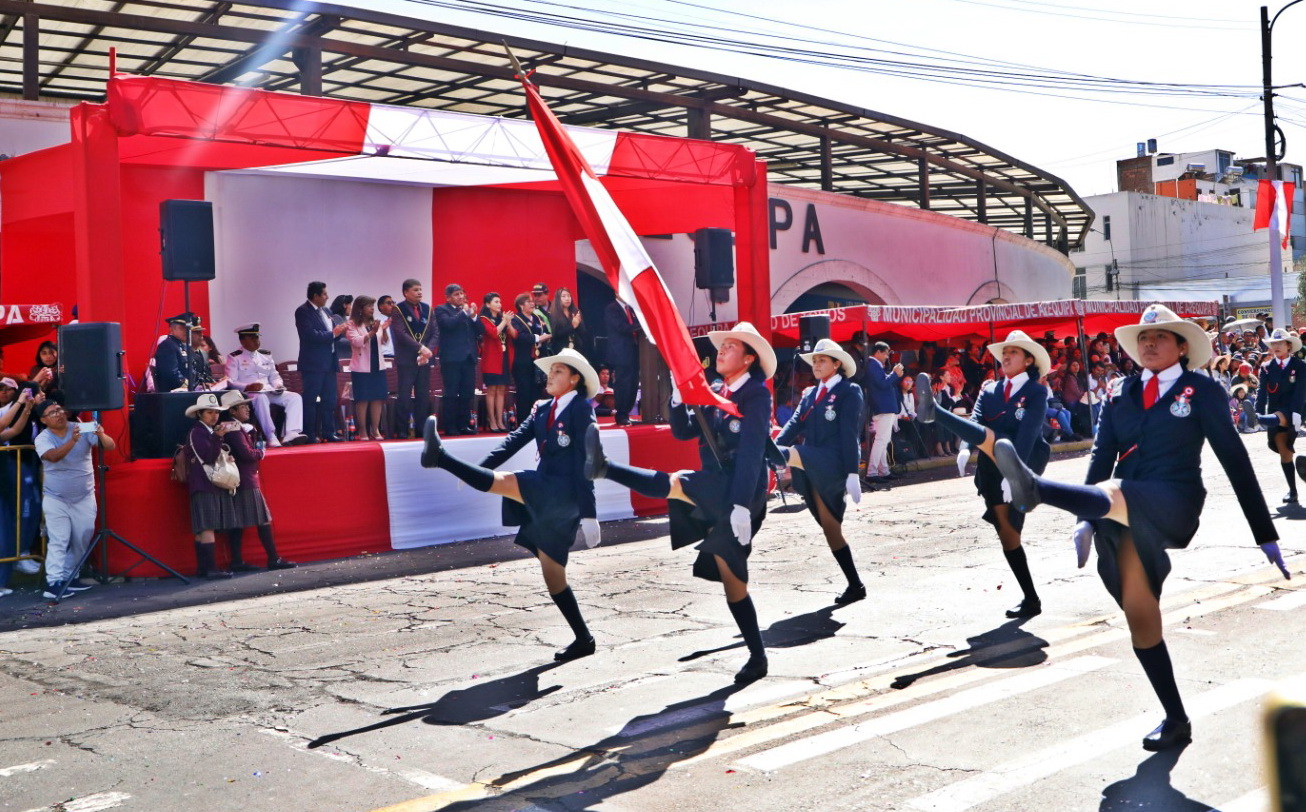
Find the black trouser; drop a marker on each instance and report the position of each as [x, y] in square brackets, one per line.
[459, 384]
[319, 385]
[414, 385]
[624, 388]
[523, 380]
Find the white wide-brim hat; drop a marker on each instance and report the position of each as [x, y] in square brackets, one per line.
[747, 333]
[233, 397]
[208, 400]
[1160, 317]
[1019, 338]
[1281, 334]
[826, 346]
[577, 362]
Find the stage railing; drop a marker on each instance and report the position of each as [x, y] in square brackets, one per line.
[14, 498]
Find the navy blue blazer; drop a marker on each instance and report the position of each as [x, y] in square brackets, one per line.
[172, 368]
[410, 329]
[561, 447]
[834, 424]
[1282, 390]
[317, 346]
[457, 334]
[882, 387]
[1019, 420]
[1164, 443]
[622, 349]
[742, 441]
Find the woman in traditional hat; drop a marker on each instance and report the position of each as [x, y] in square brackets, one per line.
[211, 507]
[251, 509]
[723, 504]
[554, 504]
[1012, 407]
[1280, 401]
[829, 420]
[1145, 492]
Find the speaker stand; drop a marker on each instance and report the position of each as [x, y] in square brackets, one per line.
[104, 534]
[185, 292]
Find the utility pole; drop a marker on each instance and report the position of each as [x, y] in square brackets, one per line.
[1272, 156]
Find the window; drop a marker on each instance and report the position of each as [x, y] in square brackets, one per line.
[1223, 160]
[1106, 228]
[1079, 284]
[1166, 161]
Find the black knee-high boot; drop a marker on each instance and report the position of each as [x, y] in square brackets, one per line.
[844, 555]
[1292, 481]
[653, 484]
[1176, 730]
[207, 562]
[583, 645]
[235, 540]
[965, 428]
[745, 615]
[482, 479]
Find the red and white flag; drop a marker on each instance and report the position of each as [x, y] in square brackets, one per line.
[1274, 207]
[628, 266]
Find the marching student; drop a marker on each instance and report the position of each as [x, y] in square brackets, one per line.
[554, 504]
[829, 419]
[1280, 401]
[1011, 407]
[723, 505]
[1144, 490]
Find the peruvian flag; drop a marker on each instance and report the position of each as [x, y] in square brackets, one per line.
[1274, 207]
[628, 266]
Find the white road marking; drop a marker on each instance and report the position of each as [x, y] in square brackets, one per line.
[1258, 800]
[823, 743]
[1293, 600]
[26, 768]
[91, 803]
[1031, 767]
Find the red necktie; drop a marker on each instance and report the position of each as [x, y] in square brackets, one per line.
[1006, 395]
[820, 396]
[553, 411]
[1151, 391]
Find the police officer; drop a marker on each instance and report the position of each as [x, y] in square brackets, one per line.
[172, 364]
[201, 374]
[723, 504]
[1012, 407]
[1144, 490]
[554, 504]
[1281, 399]
[252, 370]
[829, 419]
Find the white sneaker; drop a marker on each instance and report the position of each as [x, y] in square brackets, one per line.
[28, 566]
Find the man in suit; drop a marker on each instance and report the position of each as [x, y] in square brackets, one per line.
[882, 403]
[318, 363]
[415, 335]
[456, 323]
[623, 357]
[172, 364]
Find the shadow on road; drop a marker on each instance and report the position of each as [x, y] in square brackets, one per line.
[637, 755]
[1149, 788]
[791, 632]
[1007, 646]
[484, 700]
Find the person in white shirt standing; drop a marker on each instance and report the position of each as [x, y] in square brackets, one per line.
[69, 494]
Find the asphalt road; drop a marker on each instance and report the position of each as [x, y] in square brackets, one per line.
[424, 680]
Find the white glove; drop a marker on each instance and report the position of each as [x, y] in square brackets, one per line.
[741, 522]
[1006, 490]
[1083, 538]
[854, 486]
[963, 457]
[1296, 422]
[589, 533]
[675, 395]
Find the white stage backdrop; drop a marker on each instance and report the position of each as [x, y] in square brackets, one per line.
[274, 235]
[432, 507]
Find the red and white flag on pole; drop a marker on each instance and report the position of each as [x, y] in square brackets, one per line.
[628, 266]
[1274, 207]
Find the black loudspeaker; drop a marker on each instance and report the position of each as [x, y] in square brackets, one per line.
[159, 423]
[90, 366]
[714, 260]
[812, 329]
[186, 231]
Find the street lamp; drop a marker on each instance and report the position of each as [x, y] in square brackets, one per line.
[1273, 153]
